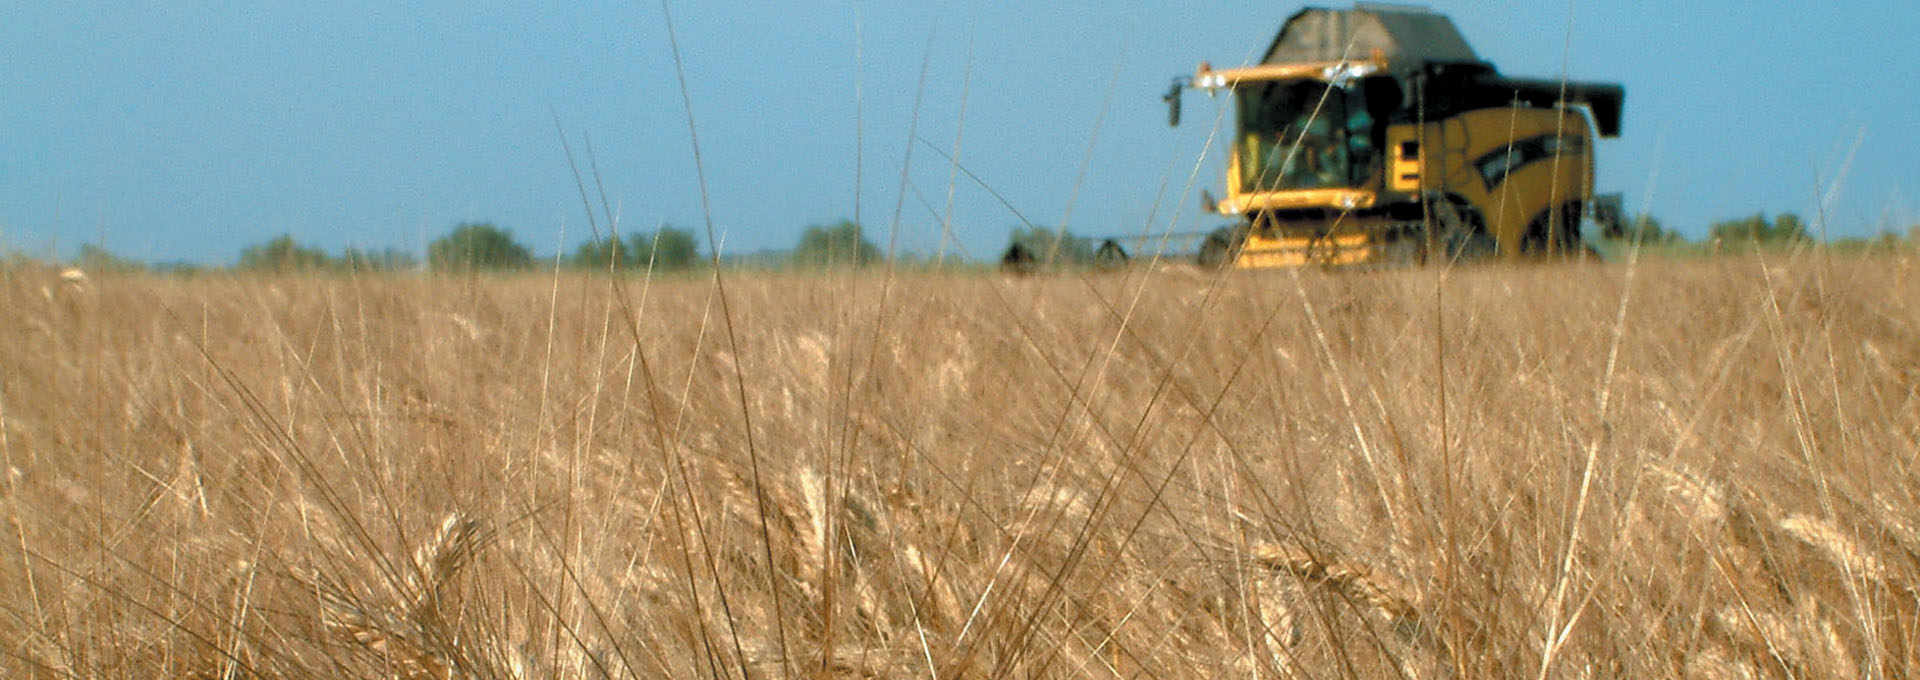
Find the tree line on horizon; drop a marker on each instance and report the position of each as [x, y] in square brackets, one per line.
[1757, 230]
[484, 246]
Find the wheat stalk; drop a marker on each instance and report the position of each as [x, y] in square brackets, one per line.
[1353, 582]
[406, 634]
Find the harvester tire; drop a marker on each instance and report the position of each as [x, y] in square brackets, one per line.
[1219, 250]
[1468, 245]
[1018, 260]
[1110, 256]
[1462, 237]
[1556, 233]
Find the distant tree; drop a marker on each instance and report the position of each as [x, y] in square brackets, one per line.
[478, 245]
[666, 249]
[386, 260]
[179, 268]
[1648, 229]
[1787, 228]
[602, 253]
[1053, 244]
[671, 248]
[1885, 241]
[842, 244]
[283, 254]
[1739, 230]
[96, 259]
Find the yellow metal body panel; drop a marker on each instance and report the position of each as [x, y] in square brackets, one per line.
[1529, 190]
[1297, 251]
[1443, 163]
[1239, 203]
[1405, 156]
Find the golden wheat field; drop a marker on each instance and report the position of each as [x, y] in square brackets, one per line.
[1698, 469]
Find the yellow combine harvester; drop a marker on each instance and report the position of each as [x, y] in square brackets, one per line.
[1376, 135]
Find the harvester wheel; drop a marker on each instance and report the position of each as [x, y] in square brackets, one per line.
[1462, 237]
[1110, 256]
[1018, 260]
[1556, 233]
[1220, 249]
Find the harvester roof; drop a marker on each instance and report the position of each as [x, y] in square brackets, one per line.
[1415, 40]
[1407, 37]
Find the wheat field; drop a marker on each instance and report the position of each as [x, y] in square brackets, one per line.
[1697, 469]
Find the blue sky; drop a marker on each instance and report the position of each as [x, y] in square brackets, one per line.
[187, 130]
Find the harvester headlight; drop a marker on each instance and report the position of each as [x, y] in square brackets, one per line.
[1343, 73]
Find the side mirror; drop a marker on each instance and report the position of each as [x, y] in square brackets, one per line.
[1172, 98]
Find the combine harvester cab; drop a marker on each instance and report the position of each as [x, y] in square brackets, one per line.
[1376, 135]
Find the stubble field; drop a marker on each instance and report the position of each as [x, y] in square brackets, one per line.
[1681, 469]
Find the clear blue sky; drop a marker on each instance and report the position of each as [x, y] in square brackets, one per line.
[186, 130]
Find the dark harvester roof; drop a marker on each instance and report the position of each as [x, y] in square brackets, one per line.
[1409, 37]
[1415, 40]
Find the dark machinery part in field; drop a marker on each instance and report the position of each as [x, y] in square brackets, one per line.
[1376, 135]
